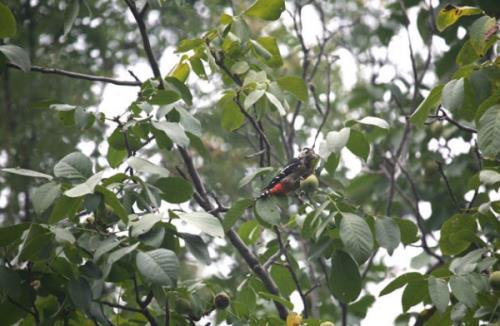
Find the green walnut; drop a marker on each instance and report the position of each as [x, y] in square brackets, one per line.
[221, 301]
[309, 184]
[495, 280]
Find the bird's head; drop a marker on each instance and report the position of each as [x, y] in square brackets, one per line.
[308, 154]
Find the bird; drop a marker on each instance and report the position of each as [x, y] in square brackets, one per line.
[289, 176]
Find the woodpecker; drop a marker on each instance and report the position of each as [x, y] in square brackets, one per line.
[288, 178]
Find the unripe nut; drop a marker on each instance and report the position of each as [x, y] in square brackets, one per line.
[309, 184]
[495, 280]
[327, 323]
[221, 301]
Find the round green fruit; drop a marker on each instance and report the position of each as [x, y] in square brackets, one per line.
[327, 323]
[309, 184]
[495, 280]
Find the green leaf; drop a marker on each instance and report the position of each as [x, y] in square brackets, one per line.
[409, 231]
[449, 14]
[250, 176]
[63, 235]
[267, 210]
[431, 101]
[283, 279]
[205, 222]
[143, 165]
[64, 207]
[173, 131]
[266, 9]
[159, 266]
[44, 196]
[335, 141]
[252, 98]
[7, 22]
[197, 247]
[144, 223]
[73, 166]
[112, 201]
[232, 118]
[414, 293]
[356, 236]
[439, 293]
[189, 122]
[387, 234]
[479, 32]
[455, 234]
[401, 281]
[249, 232]
[358, 144]
[277, 298]
[488, 135]
[164, 97]
[467, 54]
[240, 68]
[180, 88]
[70, 15]
[489, 177]
[296, 86]
[345, 280]
[468, 263]
[486, 104]
[80, 293]
[120, 253]
[175, 190]
[86, 187]
[16, 56]
[270, 46]
[11, 233]
[276, 103]
[374, 121]
[463, 290]
[27, 173]
[453, 94]
[235, 212]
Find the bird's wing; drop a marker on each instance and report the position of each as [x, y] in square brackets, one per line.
[285, 171]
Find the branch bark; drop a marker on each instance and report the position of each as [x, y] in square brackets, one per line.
[77, 75]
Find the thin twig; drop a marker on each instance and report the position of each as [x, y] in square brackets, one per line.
[77, 75]
[450, 191]
[119, 306]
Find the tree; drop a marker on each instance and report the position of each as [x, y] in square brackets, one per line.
[103, 239]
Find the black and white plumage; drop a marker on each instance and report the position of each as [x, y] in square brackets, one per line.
[288, 178]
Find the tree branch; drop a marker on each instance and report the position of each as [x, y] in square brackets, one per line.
[77, 75]
[450, 191]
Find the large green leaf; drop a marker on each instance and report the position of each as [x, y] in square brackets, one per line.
[356, 236]
[489, 177]
[232, 118]
[73, 166]
[266, 9]
[64, 207]
[276, 103]
[235, 212]
[205, 222]
[295, 85]
[463, 290]
[449, 14]
[112, 201]
[12, 233]
[456, 234]
[335, 141]
[144, 223]
[414, 293]
[17, 56]
[143, 165]
[250, 176]
[164, 97]
[80, 293]
[27, 173]
[267, 211]
[387, 234]
[197, 247]
[86, 187]
[181, 89]
[488, 136]
[70, 15]
[175, 190]
[159, 266]
[408, 230]
[479, 31]
[44, 196]
[7, 22]
[173, 131]
[252, 98]
[270, 46]
[401, 281]
[358, 144]
[439, 293]
[431, 101]
[344, 280]
[374, 121]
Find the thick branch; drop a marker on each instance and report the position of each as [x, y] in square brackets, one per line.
[145, 39]
[77, 75]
